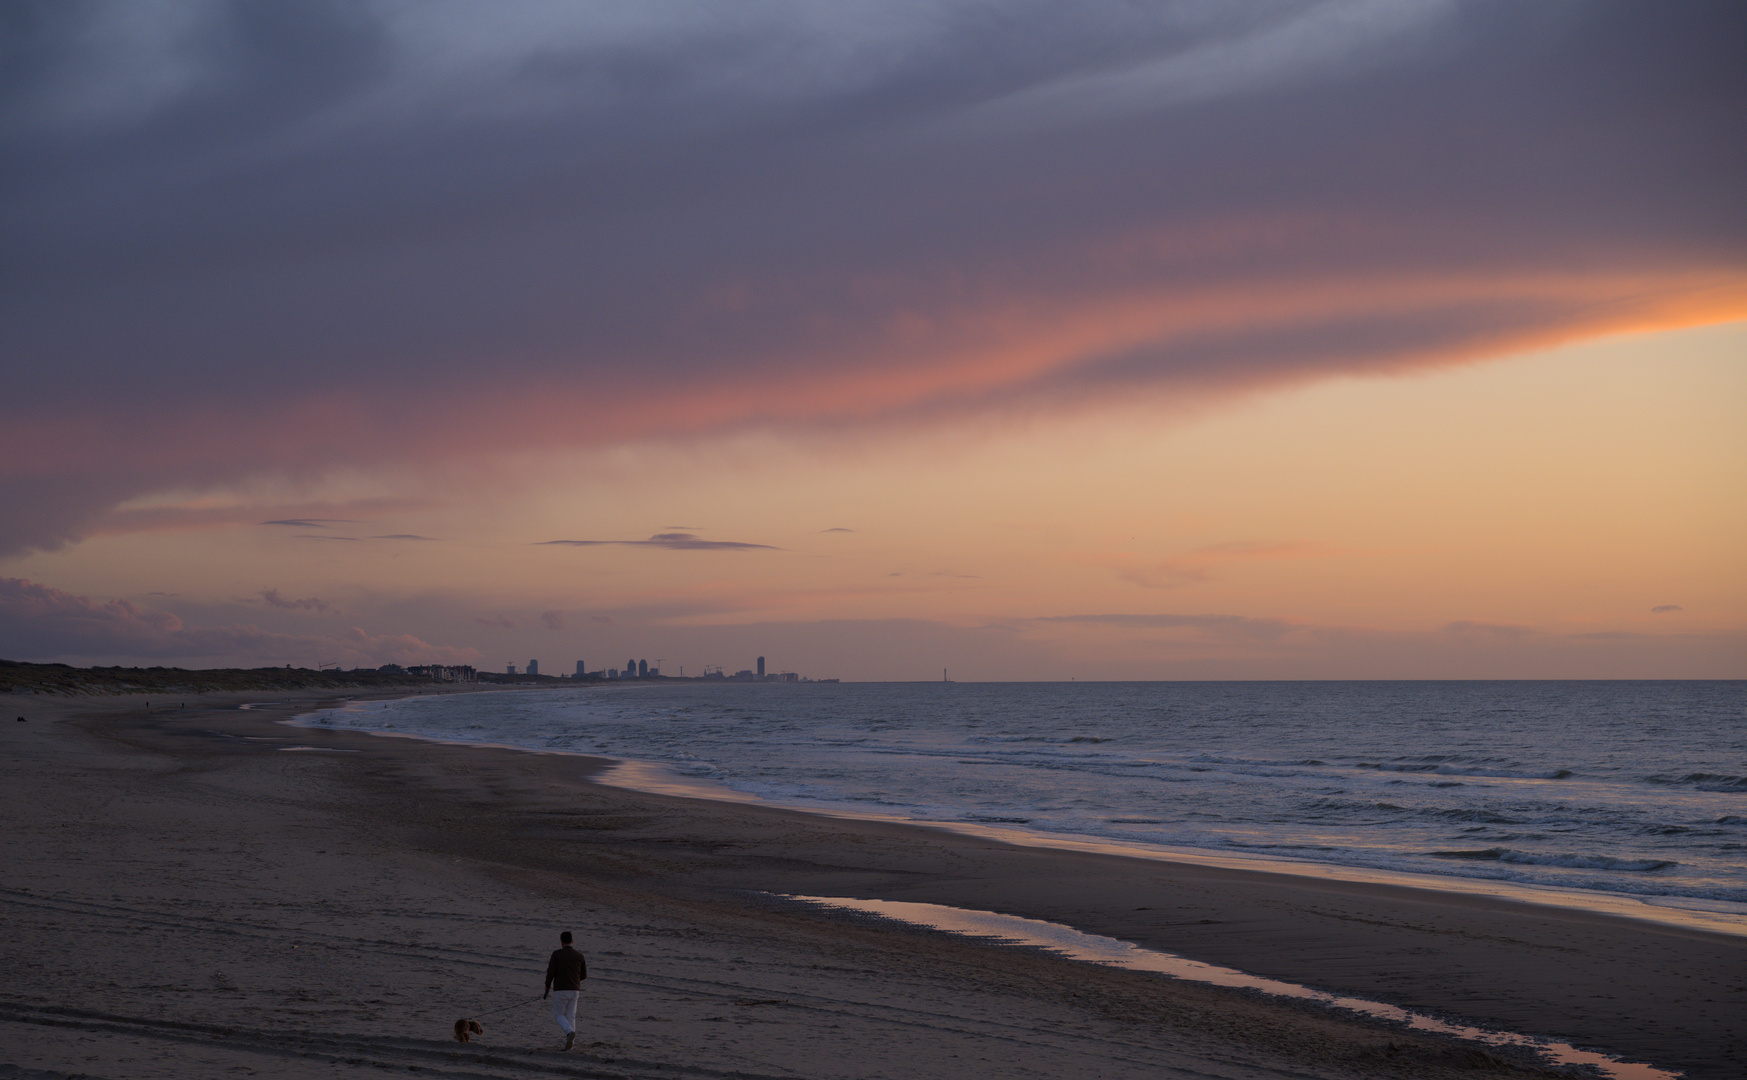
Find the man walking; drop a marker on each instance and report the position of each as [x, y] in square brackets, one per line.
[564, 975]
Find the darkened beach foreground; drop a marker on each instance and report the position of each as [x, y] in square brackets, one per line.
[184, 897]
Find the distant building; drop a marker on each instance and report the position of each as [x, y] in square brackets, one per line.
[761, 667]
[642, 669]
[580, 670]
[612, 673]
[445, 672]
[511, 669]
[630, 669]
[533, 667]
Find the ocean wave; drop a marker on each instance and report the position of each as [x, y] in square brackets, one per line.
[1447, 769]
[1484, 817]
[1703, 781]
[1046, 740]
[1573, 861]
[1205, 759]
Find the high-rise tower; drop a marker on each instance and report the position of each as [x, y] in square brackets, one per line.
[761, 667]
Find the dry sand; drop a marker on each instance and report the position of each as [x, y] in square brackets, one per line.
[183, 897]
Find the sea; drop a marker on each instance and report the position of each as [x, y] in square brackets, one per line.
[1635, 791]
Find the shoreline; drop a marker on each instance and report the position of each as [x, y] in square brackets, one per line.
[506, 834]
[656, 778]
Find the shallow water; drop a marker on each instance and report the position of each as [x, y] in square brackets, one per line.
[1092, 948]
[1629, 789]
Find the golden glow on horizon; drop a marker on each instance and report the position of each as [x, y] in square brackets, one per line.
[1571, 490]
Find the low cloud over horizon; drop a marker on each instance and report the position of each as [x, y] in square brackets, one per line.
[42, 623]
[47, 625]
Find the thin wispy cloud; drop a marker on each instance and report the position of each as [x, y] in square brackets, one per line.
[672, 541]
[208, 514]
[1664, 609]
[1313, 42]
[272, 598]
[406, 536]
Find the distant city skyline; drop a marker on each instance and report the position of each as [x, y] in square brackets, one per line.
[642, 669]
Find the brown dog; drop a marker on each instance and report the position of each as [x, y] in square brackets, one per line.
[465, 1029]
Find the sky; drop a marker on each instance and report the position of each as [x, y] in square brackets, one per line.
[1298, 339]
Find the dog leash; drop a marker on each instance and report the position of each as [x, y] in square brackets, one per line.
[506, 1008]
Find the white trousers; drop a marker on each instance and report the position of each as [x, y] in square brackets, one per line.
[564, 1009]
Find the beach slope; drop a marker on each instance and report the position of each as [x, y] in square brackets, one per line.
[204, 891]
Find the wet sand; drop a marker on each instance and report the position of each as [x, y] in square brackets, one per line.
[185, 897]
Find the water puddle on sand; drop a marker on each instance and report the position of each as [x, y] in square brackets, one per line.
[1075, 945]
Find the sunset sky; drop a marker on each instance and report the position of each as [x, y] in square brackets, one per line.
[1344, 339]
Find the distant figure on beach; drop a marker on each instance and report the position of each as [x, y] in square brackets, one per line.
[564, 975]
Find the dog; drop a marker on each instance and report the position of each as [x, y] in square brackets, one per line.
[465, 1029]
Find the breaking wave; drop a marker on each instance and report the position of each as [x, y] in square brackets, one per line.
[1575, 862]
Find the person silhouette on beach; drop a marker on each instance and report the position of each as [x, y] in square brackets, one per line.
[564, 975]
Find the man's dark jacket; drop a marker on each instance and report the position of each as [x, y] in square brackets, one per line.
[566, 970]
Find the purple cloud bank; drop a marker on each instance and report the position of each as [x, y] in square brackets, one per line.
[249, 240]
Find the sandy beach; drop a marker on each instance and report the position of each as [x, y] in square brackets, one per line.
[203, 891]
